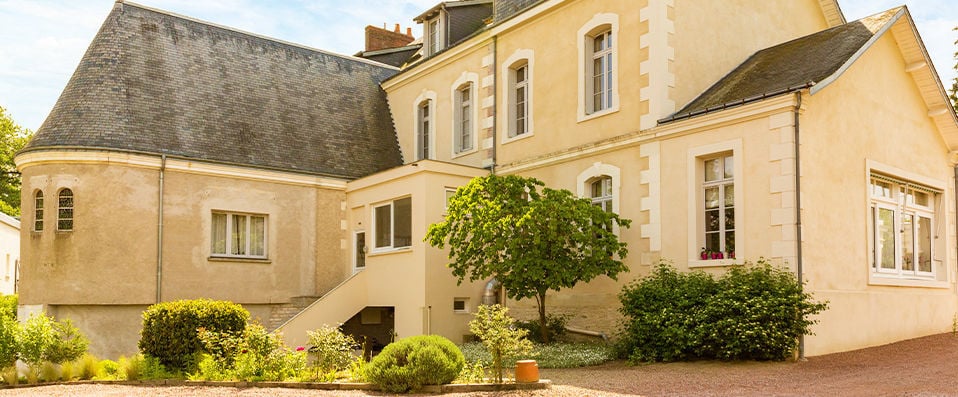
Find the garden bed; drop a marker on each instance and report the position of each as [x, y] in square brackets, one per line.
[450, 388]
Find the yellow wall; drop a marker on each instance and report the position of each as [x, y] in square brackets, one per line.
[874, 112]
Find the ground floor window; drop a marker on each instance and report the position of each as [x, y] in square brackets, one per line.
[393, 224]
[902, 218]
[238, 235]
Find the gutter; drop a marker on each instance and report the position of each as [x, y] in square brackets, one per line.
[495, 96]
[735, 103]
[159, 233]
[798, 212]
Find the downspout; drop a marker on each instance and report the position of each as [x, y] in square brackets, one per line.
[955, 197]
[495, 95]
[798, 212]
[159, 233]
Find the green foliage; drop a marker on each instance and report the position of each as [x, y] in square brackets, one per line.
[131, 368]
[250, 355]
[753, 312]
[551, 355]
[555, 324]
[49, 372]
[35, 338]
[357, 371]
[9, 331]
[12, 138]
[410, 363]
[10, 375]
[68, 371]
[473, 372]
[332, 349]
[109, 370]
[68, 343]
[153, 369]
[8, 306]
[529, 237]
[170, 329]
[87, 367]
[497, 331]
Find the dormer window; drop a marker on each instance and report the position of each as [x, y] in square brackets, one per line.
[433, 36]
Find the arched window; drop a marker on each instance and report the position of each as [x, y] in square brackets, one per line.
[598, 66]
[601, 192]
[65, 210]
[38, 211]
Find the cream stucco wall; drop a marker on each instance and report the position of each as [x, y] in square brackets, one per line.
[854, 122]
[109, 260]
[9, 253]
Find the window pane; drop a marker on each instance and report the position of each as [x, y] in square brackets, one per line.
[38, 212]
[257, 236]
[730, 242]
[218, 239]
[729, 167]
[383, 226]
[712, 242]
[920, 198]
[924, 244]
[729, 195]
[238, 240]
[711, 197]
[885, 238]
[907, 243]
[403, 222]
[713, 170]
[360, 250]
[729, 219]
[597, 43]
[881, 189]
[712, 220]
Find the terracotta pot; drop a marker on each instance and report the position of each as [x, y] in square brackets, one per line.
[527, 371]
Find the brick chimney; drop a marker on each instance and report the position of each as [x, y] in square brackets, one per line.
[382, 38]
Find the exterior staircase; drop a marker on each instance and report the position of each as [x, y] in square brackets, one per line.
[280, 314]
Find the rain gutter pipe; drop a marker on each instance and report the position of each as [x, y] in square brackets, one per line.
[495, 94]
[798, 211]
[159, 233]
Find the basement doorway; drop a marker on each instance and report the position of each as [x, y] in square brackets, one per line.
[373, 327]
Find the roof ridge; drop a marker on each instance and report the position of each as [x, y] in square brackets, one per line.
[259, 36]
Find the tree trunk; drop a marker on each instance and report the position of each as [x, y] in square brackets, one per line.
[543, 328]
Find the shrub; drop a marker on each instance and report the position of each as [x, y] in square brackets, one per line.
[34, 339]
[554, 322]
[472, 373]
[170, 329]
[493, 326]
[754, 311]
[153, 369]
[108, 370]
[8, 306]
[332, 348]
[68, 371]
[251, 355]
[9, 330]
[131, 368]
[88, 367]
[68, 343]
[10, 375]
[410, 363]
[49, 372]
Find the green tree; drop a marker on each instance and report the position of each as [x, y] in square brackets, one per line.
[12, 138]
[529, 237]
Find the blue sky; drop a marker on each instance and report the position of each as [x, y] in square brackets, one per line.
[41, 41]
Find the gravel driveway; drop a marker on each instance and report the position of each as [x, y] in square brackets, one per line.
[918, 367]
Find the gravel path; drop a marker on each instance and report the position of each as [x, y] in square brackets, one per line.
[918, 367]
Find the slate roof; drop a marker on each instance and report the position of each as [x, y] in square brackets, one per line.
[790, 66]
[159, 83]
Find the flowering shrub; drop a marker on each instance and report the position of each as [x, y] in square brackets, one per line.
[332, 348]
[753, 312]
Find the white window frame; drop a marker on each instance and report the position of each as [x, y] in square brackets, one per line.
[599, 24]
[696, 201]
[449, 192]
[900, 207]
[465, 305]
[71, 208]
[434, 37]
[392, 226]
[520, 58]
[248, 241]
[471, 81]
[601, 170]
[427, 97]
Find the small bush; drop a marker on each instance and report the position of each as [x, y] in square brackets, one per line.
[504, 342]
[170, 329]
[472, 373]
[10, 375]
[357, 371]
[68, 371]
[753, 312]
[332, 349]
[68, 343]
[554, 322]
[49, 372]
[108, 370]
[131, 368]
[36, 336]
[153, 369]
[410, 363]
[8, 306]
[87, 367]
[9, 330]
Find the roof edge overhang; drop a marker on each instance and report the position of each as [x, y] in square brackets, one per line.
[62, 154]
[832, 12]
[9, 220]
[936, 99]
[415, 168]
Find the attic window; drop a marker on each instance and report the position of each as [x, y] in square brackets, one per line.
[433, 36]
